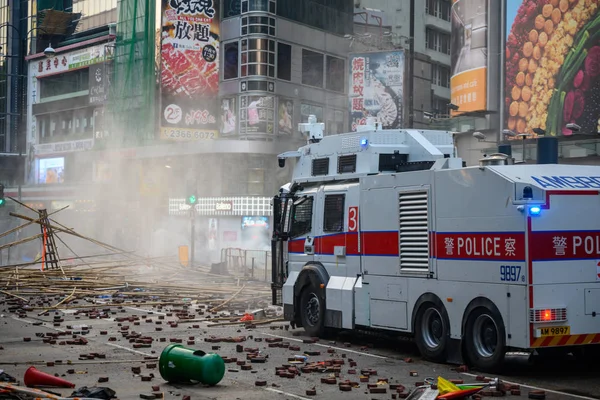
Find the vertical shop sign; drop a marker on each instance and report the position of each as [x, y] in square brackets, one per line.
[189, 69]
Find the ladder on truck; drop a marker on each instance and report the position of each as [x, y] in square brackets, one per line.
[49, 249]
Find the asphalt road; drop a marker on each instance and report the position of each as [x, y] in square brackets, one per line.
[561, 379]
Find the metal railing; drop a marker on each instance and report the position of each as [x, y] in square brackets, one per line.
[253, 264]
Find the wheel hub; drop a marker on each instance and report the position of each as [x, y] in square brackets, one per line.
[485, 336]
[432, 328]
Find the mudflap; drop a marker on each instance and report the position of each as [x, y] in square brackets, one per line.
[454, 355]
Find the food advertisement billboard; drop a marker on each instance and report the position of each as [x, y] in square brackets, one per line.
[552, 66]
[468, 55]
[189, 69]
[376, 88]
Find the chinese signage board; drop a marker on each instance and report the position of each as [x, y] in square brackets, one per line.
[189, 69]
[257, 115]
[64, 147]
[64, 62]
[552, 70]
[468, 55]
[98, 84]
[376, 88]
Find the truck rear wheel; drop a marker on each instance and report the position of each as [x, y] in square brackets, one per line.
[432, 331]
[485, 339]
[312, 311]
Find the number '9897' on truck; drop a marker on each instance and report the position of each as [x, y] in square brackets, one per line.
[389, 230]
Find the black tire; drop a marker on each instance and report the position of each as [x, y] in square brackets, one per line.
[485, 339]
[312, 311]
[587, 354]
[432, 332]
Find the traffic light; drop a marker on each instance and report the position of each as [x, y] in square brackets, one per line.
[2, 199]
[191, 199]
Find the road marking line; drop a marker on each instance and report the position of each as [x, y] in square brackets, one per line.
[287, 394]
[343, 349]
[128, 349]
[540, 388]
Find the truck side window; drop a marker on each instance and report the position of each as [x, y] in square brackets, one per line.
[333, 219]
[302, 218]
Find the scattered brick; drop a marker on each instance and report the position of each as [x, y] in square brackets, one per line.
[515, 392]
[311, 392]
[480, 378]
[27, 339]
[413, 373]
[329, 381]
[147, 396]
[260, 383]
[408, 360]
[103, 379]
[345, 388]
[136, 370]
[246, 367]
[50, 364]
[457, 381]
[377, 390]
[146, 378]
[155, 388]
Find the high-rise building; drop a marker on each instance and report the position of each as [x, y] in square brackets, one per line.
[422, 29]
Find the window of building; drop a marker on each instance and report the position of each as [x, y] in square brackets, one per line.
[309, 109]
[333, 213]
[284, 61]
[258, 5]
[95, 13]
[258, 24]
[439, 106]
[302, 218]
[438, 8]
[438, 41]
[66, 125]
[231, 59]
[335, 74]
[258, 57]
[440, 75]
[257, 114]
[312, 68]
[62, 84]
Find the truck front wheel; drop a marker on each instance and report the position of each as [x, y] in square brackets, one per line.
[312, 311]
[485, 339]
[432, 331]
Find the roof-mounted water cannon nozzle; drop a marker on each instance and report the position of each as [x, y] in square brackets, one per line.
[313, 130]
[371, 124]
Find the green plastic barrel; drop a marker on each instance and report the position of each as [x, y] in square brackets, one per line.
[178, 364]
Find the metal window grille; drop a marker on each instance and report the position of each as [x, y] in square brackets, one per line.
[320, 166]
[347, 164]
[260, 206]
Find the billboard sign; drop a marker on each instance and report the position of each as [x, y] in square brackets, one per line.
[552, 71]
[257, 114]
[189, 69]
[64, 62]
[286, 116]
[376, 88]
[468, 55]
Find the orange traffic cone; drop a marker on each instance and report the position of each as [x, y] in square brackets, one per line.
[33, 377]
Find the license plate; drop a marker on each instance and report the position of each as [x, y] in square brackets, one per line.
[555, 331]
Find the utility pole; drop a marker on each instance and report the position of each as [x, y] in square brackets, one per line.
[192, 235]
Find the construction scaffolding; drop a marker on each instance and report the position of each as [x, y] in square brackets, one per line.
[132, 102]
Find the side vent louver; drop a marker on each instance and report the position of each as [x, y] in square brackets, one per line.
[320, 166]
[347, 164]
[413, 210]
